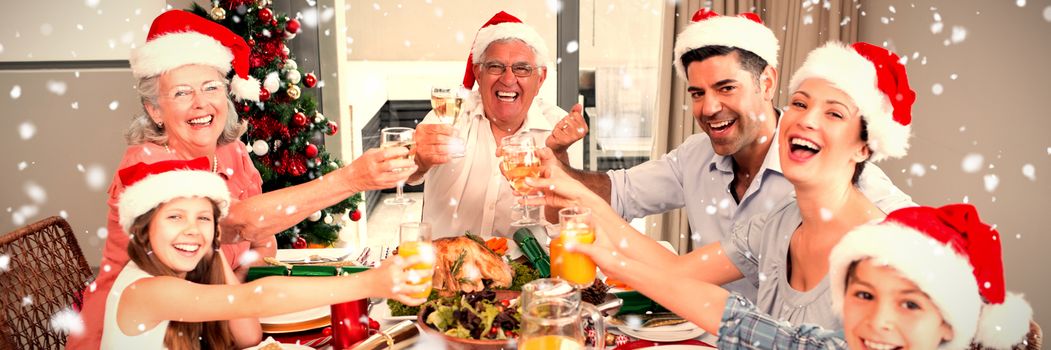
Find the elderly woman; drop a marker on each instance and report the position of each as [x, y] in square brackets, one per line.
[848, 104]
[181, 72]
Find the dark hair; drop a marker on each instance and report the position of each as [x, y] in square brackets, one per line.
[748, 60]
[860, 166]
[183, 335]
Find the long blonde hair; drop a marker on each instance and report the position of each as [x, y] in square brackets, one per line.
[184, 335]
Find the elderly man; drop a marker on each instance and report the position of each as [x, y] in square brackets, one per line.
[509, 62]
[732, 171]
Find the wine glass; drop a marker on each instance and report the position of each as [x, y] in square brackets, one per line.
[415, 239]
[399, 137]
[446, 101]
[518, 162]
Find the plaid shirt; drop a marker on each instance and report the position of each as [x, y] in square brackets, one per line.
[744, 327]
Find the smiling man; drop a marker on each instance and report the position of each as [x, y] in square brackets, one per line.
[731, 172]
[508, 61]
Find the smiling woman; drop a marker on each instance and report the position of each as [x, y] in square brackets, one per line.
[189, 114]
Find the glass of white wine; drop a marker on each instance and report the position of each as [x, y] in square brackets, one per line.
[518, 162]
[446, 101]
[399, 137]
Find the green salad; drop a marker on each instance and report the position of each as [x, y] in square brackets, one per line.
[476, 315]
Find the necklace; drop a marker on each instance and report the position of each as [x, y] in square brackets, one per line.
[215, 160]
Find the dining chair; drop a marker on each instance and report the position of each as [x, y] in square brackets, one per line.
[46, 273]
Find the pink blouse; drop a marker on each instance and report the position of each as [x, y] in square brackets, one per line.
[234, 165]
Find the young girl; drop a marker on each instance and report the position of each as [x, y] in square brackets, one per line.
[178, 291]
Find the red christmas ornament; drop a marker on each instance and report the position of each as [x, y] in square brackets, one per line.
[245, 108]
[264, 95]
[309, 80]
[327, 331]
[266, 14]
[251, 42]
[299, 243]
[332, 128]
[310, 150]
[299, 119]
[355, 215]
[292, 26]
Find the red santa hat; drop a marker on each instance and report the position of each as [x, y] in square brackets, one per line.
[876, 80]
[952, 257]
[147, 186]
[503, 26]
[744, 31]
[178, 38]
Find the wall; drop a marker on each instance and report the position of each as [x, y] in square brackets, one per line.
[992, 105]
[62, 129]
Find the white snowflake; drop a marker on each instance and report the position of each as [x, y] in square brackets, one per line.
[937, 89]
[1029, 171]
[1020, 3]
[972, 162]
[248, 257]
[991, 181]
[16, 92]
[917, 170]
[35, 192]
[1047, 13]
[27, 300]
[230, 298]
[91, 3]
[5, 262]
[290, 210]
[554, 6]
[826, 214]
[95, 177]
[22, 165]
[26, 130]
[113, 105]
[958, 34]
[572, 46]
[56, 87]
[67, 321]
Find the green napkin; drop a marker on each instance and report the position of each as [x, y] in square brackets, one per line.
[636, 303]
[257, 272]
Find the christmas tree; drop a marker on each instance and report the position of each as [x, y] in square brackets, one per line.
[286, 133]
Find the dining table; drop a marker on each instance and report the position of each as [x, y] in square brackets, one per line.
[314, 330]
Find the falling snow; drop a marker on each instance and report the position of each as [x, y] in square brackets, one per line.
[113, 105]
[917, 170]
[1047, 13]
[826, 214]
[991, 181]
[572, 46]
[95, 176]
[937, 89]
[972, 162]
[5, 262]
[1020, 3]
[26, 130]
[67, 321]
[27, 300]
[958, 34]
[248, 257]
[56, 87]
[1029, 172]
[35, 192]
[16, 92]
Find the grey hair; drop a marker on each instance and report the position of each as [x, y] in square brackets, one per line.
[537, 59]
[143, 129]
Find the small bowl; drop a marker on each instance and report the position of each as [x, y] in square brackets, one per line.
[454, 343]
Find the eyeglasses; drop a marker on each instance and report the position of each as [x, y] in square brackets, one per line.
[184, 93]
[518, 69]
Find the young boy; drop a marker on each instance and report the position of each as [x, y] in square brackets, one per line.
[923, 278]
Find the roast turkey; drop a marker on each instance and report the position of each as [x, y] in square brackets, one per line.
[478, 263]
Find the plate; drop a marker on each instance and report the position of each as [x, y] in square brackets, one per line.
[381, 312]
[299, 316]
[663, 336]
[676, 347]
[297, 321]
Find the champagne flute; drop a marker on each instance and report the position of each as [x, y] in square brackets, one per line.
[576, 268]
[415, 239]
[399, 137]
[446, 101]
[518, 162]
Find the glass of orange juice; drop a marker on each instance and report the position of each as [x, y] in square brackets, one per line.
[577, 228]
[415, 239]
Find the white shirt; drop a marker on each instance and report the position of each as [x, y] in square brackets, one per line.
[470, 193]
[695, 171]
[112, 336]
